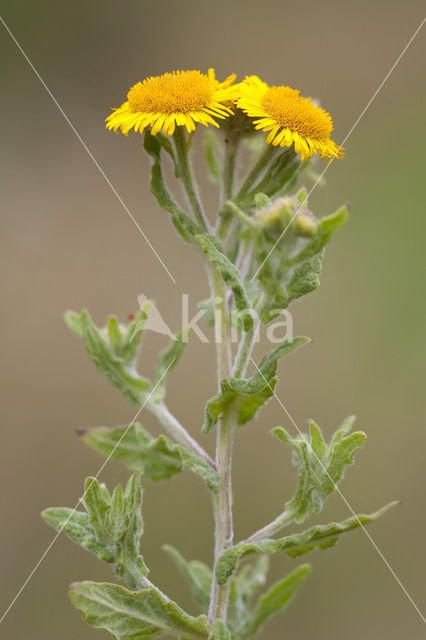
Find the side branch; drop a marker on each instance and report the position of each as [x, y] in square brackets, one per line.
[177, 430]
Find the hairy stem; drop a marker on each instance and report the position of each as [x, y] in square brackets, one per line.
[186, 176]
[228, 181]
[239, 213]
[223, 501]
[229, 166]
[176, 430]
[245, 350]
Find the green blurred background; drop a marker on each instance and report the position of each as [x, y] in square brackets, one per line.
[68, 243]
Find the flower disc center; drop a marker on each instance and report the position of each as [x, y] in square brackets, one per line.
[292, 111]
[179, 92]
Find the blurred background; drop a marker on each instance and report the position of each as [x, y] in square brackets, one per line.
[67, 243]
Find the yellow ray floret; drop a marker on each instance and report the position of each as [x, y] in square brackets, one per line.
[182, 98]
[289, 118]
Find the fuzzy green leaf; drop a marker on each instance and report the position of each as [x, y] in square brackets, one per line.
[168, 148]
[283, 284]
[319, 466]
[115, 367]
[243, 586]
[73, 322]
[207, 306]
[289, 249]
[114, 334]
[159, 457]
[326, 228]
[135, 615]
[167, 360]
[183, 223]
[231, 277]
[111, 527]
[77, 526]
[198, 575]
[251, 393]
[133, 334]
[317, 537]
[261, 200]
[275, 600]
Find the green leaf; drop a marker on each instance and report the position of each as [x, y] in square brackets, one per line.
[304, 278]
[282, 284]
[261, 200]
[73, 321]
[159, 457]
[251, 393]
[248, 580]
[77, 526]
[167, 360]
[319, 466]
[183, 223]
[289, 250]
[198, 575]
[168, 148]
[114, 334]
[133, 334]
[212, 155]
[111, 527]
[231, 277]
[207, 306]
[317, 537]
[326, 228]
[111, 365]
[134, 615]
[275, 600]
[243, 586]
[199, 466]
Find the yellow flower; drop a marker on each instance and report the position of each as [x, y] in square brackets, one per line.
[288, 118]
[182, 98]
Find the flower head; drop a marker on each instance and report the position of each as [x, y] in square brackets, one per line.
[289, 118]
[182, 98]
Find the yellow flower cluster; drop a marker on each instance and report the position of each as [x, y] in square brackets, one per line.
[188, 98]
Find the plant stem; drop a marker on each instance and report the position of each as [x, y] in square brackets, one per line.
[235, 209]
[136, 580]
[186, 176]
[178, 431]
[229, 166]
[272, 528]
[228, 181]
[257, 170]
[223, 501]
[224, 531]
[245, 350]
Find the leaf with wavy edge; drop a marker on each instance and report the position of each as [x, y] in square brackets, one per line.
[319, 536]
[133, 386]
[274, 600]
[319, 465]
[160, 458]
[198, 575]
[249, 393]
[111, 527]
[135, 615]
